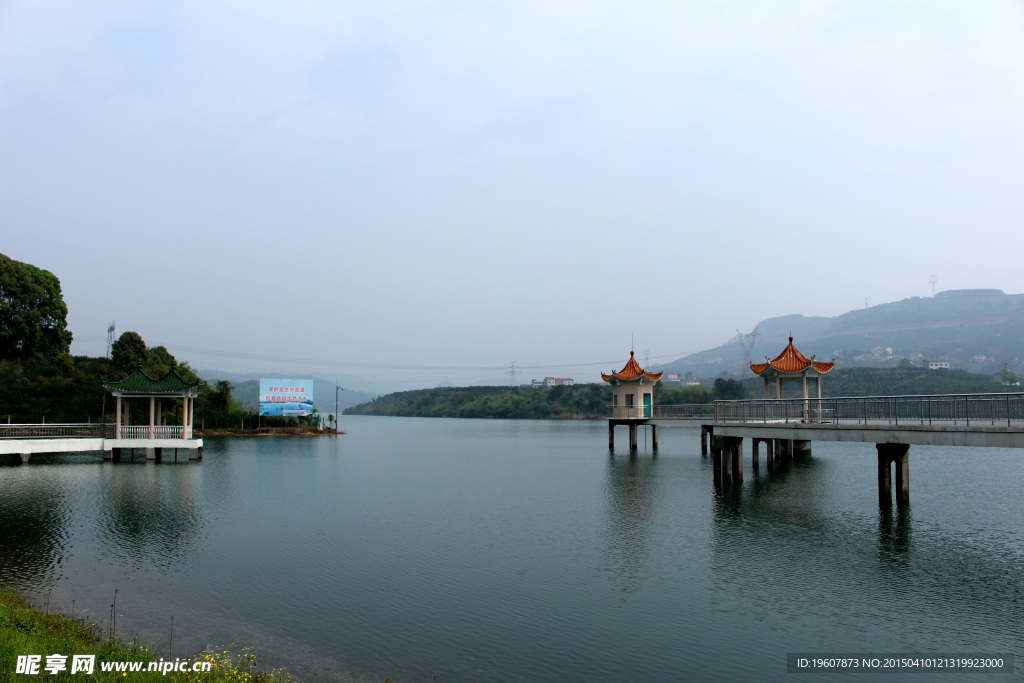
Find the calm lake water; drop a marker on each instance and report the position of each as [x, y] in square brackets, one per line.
[491, 550]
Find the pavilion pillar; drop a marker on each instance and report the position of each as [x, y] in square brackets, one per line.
[191, 415]
[152, 407]
[820, 414]
[159, 413]
[807, 404]
[117, 419]
[765, 378]
[127, 422]
[184, 417]
[778, 386]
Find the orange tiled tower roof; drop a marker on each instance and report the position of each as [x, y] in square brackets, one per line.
[632, 371]
[791, 360]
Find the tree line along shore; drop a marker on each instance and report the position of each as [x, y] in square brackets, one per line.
[590, 401]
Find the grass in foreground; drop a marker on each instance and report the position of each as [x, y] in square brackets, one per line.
[27, 630]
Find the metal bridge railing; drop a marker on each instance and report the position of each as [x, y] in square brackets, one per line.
[82, 430]
[692, 411]
[953, 409]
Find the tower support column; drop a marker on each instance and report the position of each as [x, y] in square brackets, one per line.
[889, 453]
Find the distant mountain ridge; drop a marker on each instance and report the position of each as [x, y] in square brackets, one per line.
[978, 330]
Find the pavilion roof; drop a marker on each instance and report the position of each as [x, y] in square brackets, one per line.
[141, 384]
[791, 361]
[632, 371]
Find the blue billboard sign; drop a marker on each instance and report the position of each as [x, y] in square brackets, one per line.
[286, 397]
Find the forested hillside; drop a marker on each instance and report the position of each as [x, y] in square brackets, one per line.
[978, 330]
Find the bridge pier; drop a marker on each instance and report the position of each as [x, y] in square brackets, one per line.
[784, 450]
[889, 453]
[727, 455]
[19, 458]
[633, 425]
[716, 458]
[801, 448]
[705, 432]
[755, 445]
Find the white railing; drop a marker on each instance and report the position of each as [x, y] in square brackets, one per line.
[86, 430]
[161, 432]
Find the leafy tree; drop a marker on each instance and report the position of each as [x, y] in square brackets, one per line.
[33, 315]
[129, 352]
[221, 398]
[728, 390]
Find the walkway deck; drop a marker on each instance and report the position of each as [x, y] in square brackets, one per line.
[788, 426]
[20, 441]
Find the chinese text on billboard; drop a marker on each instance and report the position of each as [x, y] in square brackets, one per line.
[286, 397]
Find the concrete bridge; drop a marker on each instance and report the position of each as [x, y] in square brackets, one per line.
[786, 427]
[21, 441]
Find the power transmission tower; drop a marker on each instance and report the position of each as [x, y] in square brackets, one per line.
[933, 281]
[512, 374]
[746, 341]
[110, 337]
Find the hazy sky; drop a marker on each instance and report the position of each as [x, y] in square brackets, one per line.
[464, 184]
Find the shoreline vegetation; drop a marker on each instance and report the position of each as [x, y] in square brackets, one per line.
[268, 431]
[590, 401]
[26, 629]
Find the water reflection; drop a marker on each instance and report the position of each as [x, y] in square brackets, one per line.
[893, 532]
[34, 525]
[630, 492]
[149, 516]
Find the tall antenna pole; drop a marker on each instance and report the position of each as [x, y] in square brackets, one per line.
[110, 337]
